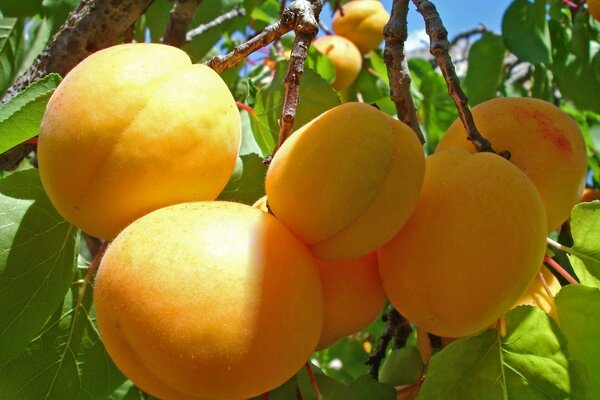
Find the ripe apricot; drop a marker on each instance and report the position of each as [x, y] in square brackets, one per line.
[590, 194]
[594, 8]
[133, 128]
[362, 171]
[471, 247]
[536, 294]
[544, 142]
[208, 300]
[352, 297]
[344, 56]
[362, 23]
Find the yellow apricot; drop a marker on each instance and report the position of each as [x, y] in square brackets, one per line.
[344, 56]
[362, 23]
[352, 297]
[208, 300]
[537, 296]
[471, 247]
[544, 142]
[362, 171]
[594, 8]
[133, 128]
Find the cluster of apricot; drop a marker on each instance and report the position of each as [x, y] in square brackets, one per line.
[208, 300]
[358, 27]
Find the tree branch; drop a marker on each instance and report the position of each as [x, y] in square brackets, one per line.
[221, 19]
[181, 16]
[439, 46]
[395, 34]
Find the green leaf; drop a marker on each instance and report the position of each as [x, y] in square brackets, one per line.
[38, 35]
[157, 18]
[247, 183]
[68, 359]
[20, 8]
[401, 367]
[21, 116]
[321, 64]
[524, 35]
[577, 81]
[486, 58]
[580, 42]
[11, 43]
[529, 363]
[578, 309]
[345, 360]
[127, 391]
[585, 228]
[317, 97]
[542, 83]
[37, 261]
[334, 390]
[370, 389]
[373, 88]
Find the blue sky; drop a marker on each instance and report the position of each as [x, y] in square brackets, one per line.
[458, 16]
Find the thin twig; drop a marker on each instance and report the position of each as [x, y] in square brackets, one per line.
[395, 34]
[306, 30]
[395, 323]
[439, 46]
[221, 19]
[181, 16]
[467, 34]
[313, 381]
[558, 268]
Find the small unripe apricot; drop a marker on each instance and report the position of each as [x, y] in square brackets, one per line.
[344, 56]
[362, 171]
[362, 23]
[594, 8]
[133, 128]
[352, 297]
[544, 142]
[208, 300]
[471, 247]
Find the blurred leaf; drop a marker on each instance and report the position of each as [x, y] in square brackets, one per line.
[334, 390]
[524, 35]
[486, 58]
[20, 8]
[344, 360]
[247, 183]
[369, 389]
[542, 83]
[585, 228]
[156, 19]
[248, 145]
[67, 361]
[11, 47]
[127, 391]
[580, 42]
[21, 116]
[373, 89]
[37, 261]
[317, 97]
[577, 82]
[578, 309]
[401, 367]
[38, 35]
[529, 363]
[378, 64]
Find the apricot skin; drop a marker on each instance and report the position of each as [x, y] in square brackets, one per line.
[590, 194]
[544, 142]
[208, 301]
[133, 128]
[470, 248]
[594, 8]
[352, 297]
[362, 23]
[361, 170]
[537, 296]
[344, 56]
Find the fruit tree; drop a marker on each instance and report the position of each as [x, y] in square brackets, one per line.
[288, 200]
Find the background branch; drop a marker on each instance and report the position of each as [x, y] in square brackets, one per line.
[221, 19]
[439, 47]
[395, 33]
[398, 329]
[181, 16]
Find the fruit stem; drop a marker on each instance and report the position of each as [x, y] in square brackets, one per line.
[244, 107]
[558, 268]
[33, 140]
[439, 49]
[559, 246]
[540, 276]
[265, 396]
[395, 33]
[313, 381]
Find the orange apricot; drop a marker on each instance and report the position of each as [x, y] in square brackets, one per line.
[544, 142]
[344, 56]
[362, 171]
[133, 128]
[362, 22]
[594, 8]
[590, 194]
[470, 248]
[208, 300]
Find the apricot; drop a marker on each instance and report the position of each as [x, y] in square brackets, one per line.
[590, 194]
[537, 296]
[344, 56]
[352, 297]
[594, 8]
[470, 248]
[208, 300]
[362, 23]
[544, 142]
[133, 128]
[362, 171]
